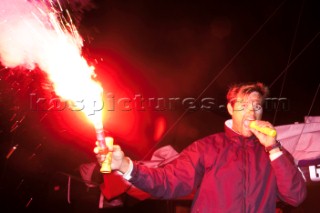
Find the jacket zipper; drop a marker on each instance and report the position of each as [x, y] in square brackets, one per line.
[245, 176]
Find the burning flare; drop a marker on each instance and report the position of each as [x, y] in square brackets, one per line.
[34, 33]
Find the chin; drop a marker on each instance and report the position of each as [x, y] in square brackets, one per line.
[247, 134]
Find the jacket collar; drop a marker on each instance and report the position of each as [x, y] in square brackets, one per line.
[236, 137]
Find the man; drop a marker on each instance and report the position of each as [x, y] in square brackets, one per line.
[238, 170]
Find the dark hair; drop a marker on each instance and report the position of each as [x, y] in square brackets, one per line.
[247, 88]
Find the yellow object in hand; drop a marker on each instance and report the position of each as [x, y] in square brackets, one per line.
[264, 130]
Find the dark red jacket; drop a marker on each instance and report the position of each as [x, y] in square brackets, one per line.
[230, 173]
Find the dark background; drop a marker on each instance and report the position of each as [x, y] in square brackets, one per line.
[157, 49]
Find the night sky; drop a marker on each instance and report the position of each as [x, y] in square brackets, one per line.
[162, 50]
[187, 49]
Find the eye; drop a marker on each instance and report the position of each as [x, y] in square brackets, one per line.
[256, 106]
[239, 105]
[244, 105]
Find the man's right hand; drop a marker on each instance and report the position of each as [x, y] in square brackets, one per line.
[119, 161]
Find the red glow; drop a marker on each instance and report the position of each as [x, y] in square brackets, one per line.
[160, 126]
[35, 33]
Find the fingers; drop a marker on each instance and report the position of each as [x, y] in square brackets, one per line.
[116, 148]
[117, 152]
[264, 131]
[96, 150]
[110, 157]
[261, 123]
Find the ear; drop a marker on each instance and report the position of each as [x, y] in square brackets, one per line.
[230, 109]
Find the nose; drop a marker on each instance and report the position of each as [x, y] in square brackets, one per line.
[250, 106]
[250, 112]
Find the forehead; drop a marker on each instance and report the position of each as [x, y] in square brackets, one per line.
[253, 96]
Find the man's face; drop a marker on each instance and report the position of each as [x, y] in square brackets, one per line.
[244, 109]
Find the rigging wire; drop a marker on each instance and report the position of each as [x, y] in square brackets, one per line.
[313, 100]
[217, 76]
[304, 124]
[295, 58]
[289, 58]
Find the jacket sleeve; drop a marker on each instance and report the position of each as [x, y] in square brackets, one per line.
[175, 179]
[290, 181]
